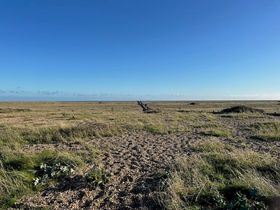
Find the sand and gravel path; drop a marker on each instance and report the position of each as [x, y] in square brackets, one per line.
[138, 163]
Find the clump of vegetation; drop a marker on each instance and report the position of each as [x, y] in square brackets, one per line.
[222, 177]
[97, 177]
[70, 133]
[217, 132]
[155, 129]
[55, 166]
[19, 161]
[241, 109]
[10, 138]
[20, 173]
[269, 131]
[15, 181]
[12, 186]
[212, 145]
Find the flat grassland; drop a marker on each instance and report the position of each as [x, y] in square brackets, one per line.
[111, 155]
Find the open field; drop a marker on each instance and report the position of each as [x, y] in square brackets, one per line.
[111, 155]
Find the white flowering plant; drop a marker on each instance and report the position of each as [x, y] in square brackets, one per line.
[53, 171]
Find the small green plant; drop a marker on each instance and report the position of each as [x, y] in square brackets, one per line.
[243, 201]
[155, 129]
[97, 177]
[56, 171]
[55, 166]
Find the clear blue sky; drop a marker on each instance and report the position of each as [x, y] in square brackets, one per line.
[149, 49]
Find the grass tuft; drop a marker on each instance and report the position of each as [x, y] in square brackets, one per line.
[222, 177]
[217, 132]
[269, 131]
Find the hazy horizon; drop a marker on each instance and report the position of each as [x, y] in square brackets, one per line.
[60, 96]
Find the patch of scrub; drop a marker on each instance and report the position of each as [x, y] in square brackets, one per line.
[219, 176]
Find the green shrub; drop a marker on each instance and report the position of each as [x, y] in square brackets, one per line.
[97, 177]
[52, 166]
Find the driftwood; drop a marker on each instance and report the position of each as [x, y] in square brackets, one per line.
[146, 108]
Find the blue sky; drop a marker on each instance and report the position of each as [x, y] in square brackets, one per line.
[148, 49]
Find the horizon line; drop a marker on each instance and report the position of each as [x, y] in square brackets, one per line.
[149, 100]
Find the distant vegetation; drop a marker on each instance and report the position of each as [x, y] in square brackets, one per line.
[9, 110]
[241, 109]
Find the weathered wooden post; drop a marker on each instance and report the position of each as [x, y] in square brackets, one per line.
[145, 107]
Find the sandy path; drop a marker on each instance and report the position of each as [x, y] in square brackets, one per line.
[138, 163]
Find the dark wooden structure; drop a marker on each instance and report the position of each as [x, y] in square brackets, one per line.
[146, 108]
